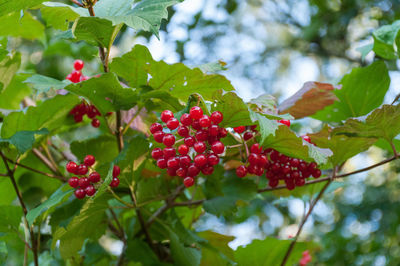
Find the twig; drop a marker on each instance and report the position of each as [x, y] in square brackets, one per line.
[394, 149]
[131, 121]
[45, 161]
[312, 205]
[76, 3]
[118, 132]
[330, 177]
[119, 199]
[188, 203]
[3, 175]
[24, 209]
[62, 178]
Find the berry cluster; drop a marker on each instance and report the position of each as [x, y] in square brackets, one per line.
[277, 166]
[201, 145]
[85, 185]
[86, 109]
[305, 259]
[76, 75]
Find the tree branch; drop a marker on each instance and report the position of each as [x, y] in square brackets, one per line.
[24, 209]
[46, 161]
[312, 205]
[76, 3]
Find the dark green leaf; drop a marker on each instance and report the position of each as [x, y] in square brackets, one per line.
[26, 27]
[96, 147]
[59, 17]
[139, 251]
[23, 140]
[7, 6]
[44, 84]
[363, 90]
[11, 217]
[217, 252]
[183, 255]
[93, 30]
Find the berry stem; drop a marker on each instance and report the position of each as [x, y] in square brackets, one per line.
[118, 132]
[24, 209]
[312, 205]
[119, 199]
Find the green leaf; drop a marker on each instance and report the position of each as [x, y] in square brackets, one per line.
[88, 224]
[343, 147]
[50, 114]
[218, 206]
[151, 188]
[43, 84]
[217, 251]
[183, 255]
[106, 93]
[7, 6]
[139, 251]
[14, 93]
[177, 79]
[270, 251]
[96, 147]
[267, 127]
[288, 143]
[8, 68]
[365, 50]
[23, 140]
[55, 199]
[3, 251]
[10, 218]
[93, 30]
[59, 17]
[362, 91]
[213, 67]
[235, 111]
[137, 147]
[383, 123]
[26, 27]
[384, 39]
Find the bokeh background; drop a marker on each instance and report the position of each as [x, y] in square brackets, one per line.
[274, 47]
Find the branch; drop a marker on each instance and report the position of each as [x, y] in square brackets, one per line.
[330, 177]
[45, 161]
[291, 247]
[188, 203]
[24, 209]
[76, 3]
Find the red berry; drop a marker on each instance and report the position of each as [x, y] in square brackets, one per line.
[96, 123]
[162, 163]
[294, 162]
[212, 139]
[273, 182]
[316, 173]
[116, 171]
[202, 135]
[78, 64]
[222, 132]
[80, 193]
[157, 153]
[262, 160]
[90, 190]
[193, 170]
[82, 169]
[84, 182]
[295, 175]
[169, 140]
[239, 129]
[306, 138]
[241, 171]
[92, 112]
[78, 118]
[213, 130]
[188, 181]
[200, 160]
[274, 155]
[290, 185]
[216, 117]
[189, 141]
[218, 147]
[114, 182]
[283, 158]
[73, 182]
[196, 125]
[173, 123]
[186, 120]
[196, 112]
[256, 148]
[173, 163]
[75, 76]
[181, 172]
[89, 160]
[253, 127]
[302, 167]
[166, 115]
[200, 147]
[183, 131]
[213, 159]
[184, 161]
[252, 169]
[300, 182]
[94, 177]
[286, 170]
[155, 127]
[259, 171]
[247, 135]
[285, 122]
[207, 170]
[159, 136]
[253, 158]
[205, 121]
[269, 175]
[169, 152]
[171, 171]
[312, 166]
[183, 149]
[72, 167]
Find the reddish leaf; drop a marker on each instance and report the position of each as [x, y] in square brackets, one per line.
[312, 97]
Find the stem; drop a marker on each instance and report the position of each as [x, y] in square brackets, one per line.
[394, 149]
[119, 199]
[24, 209]
[118, 132]
[312, 205]
[45, 161]
[131, 121]
[76, 3]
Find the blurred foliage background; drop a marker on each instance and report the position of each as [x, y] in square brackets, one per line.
[274, 47]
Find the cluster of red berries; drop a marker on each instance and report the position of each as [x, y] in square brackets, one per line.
[85, 186]
[86, 109]
[76, 75]
[277, 166]
[201, 145]
[305, 259]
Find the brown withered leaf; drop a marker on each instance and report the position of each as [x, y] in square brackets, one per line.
[312, 97]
